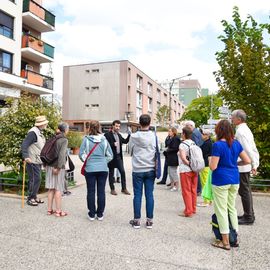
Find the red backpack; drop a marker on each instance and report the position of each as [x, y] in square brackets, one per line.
[48, 153]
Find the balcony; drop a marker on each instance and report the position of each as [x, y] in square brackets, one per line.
[37, 79]
[37, 17]
[36, 50]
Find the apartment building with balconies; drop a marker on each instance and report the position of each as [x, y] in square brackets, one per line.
[22, 50]
[112, 90]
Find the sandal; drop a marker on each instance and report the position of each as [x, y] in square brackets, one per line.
[32, 202]
[50, 212]
[60, 213]
[39, 201]
[220, 244]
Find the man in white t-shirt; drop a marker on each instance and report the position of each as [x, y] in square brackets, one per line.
[245, 137]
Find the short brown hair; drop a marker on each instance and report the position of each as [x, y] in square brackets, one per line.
[174, 131]
[224, 130]
[94, 127]
[187, 132]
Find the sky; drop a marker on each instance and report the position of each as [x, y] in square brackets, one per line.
[165, 39]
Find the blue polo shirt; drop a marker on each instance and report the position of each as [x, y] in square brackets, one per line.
[226, 172]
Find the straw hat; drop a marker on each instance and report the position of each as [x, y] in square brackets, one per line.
[41, 120]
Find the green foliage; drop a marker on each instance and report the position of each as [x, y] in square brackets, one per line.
[244, 78]
[163, 115]
[162, 129]
[199, 110]
[16, 122]
[74, 139]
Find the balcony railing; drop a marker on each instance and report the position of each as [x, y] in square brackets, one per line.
[37, 79]
[38, 45]
[38, 10]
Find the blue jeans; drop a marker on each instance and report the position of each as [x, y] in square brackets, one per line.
[91, 179]
[147, 180]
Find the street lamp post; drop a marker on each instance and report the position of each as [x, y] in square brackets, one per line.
[170, 93]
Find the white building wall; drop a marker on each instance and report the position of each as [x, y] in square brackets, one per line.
[13, 45]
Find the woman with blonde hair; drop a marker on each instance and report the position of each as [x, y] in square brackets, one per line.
[172, 158]
[99, 153]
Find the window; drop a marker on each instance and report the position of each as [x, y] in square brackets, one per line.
[139, 100]
[149, 88]
[158, 94]
[95, 87]
[149, 104]
[94, 105]
[5, 62]
[86, 105]
[95, 70]
[87, 70]
[138, 113]
[158, 105]
[6, 25]
[87, 87]
[139, 82]
[129, 75]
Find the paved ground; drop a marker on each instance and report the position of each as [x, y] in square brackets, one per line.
[29, 239]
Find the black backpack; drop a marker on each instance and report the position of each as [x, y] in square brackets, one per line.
[232, 235]
[48, 153]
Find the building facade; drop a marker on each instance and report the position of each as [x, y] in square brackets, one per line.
[184, 90]
[22, 50]
[112, 90]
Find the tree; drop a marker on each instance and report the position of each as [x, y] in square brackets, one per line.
[163, 115]
[244, 77]
[199, 110]
[16, 122]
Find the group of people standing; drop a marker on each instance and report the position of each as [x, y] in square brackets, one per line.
[103, 153]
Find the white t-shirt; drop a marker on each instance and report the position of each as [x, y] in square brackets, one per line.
[182, 167]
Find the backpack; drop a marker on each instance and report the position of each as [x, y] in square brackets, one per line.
[48, 153]
[196, 161]
[232, 235]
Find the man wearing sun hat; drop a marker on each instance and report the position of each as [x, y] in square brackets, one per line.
[31, 148]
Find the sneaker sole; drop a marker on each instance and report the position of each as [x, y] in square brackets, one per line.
[136, 227]
[90, 218]
[149, 227]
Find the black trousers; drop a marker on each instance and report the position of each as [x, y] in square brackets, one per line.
[120, 167]
[165, 171]
[246, 196]
[34, 178]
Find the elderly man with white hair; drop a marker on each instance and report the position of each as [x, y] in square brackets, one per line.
[245, 137]
[196, 134]
[197, 138]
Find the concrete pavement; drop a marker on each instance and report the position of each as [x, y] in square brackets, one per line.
[29, 239]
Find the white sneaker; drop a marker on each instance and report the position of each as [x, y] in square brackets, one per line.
[91, 218]
[100, 218]
[174, 189]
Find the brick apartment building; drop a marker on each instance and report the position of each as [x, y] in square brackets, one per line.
[113, 90]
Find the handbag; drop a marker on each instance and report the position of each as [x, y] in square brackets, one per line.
[157, 161]
[71, 166]
[84, 164]
[207, 193]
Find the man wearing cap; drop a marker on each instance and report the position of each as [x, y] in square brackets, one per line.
[31, 148]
